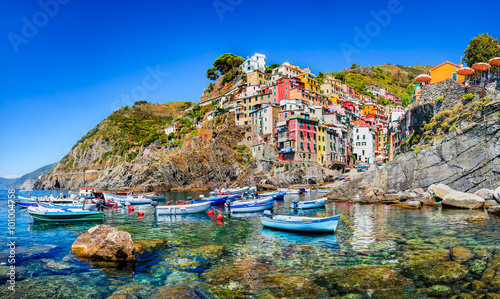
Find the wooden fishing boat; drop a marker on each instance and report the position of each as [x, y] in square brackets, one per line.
[310, 204]
[223, 191]
[258, 205]
[64, 215]
[302, 224]
[183, 209]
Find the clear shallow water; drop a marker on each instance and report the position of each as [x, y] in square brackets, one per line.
[382, 234]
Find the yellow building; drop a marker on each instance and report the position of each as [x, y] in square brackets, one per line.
[445, 70]
[257, 77]
[372, 109]
[310, 82]
[321, 144]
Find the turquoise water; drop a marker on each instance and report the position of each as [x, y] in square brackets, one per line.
[382, 234]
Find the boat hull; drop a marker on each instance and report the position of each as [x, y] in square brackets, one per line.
[251, 206]
[64, 215]
[214, 201]
[183, 209]
[302, 224]
[310, 204]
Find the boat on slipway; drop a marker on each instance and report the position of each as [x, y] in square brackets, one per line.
[183, 209]
[64, 214]
[301, 224]
[309, 204]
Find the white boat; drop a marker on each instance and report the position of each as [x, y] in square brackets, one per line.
[250, 205]
[183, 209]
[310, 204]
[127, 199]
[302, 224]
[289, 191]
[235, 191]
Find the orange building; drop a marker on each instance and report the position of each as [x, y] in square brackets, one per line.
[446, 70]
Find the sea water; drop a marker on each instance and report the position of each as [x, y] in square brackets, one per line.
[375, 235]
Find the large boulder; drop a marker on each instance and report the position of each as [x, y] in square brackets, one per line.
[106, 243]
[390, 198]
[439, 190]
[494, 210]
[460, 254]
[487, 194]
[463, 200]
[426, 199]
[496, 194]
[412, 204]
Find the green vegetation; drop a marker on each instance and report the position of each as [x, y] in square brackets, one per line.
[481, 49]
[440, 99]
[269, 68]
[223, 65]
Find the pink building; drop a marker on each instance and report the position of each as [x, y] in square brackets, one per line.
[299, 141]
[392, 97]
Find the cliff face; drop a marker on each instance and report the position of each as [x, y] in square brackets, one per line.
[466, 160]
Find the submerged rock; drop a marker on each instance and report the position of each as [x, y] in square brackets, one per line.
[445, 273]
[418, 261]
[494, 210]
[210, 252]
[491, 276]
[477, 217]
[382, 280]
[104, 242]
[460, 254]
[293, 286]
[463, 200]
[122, 296]
[174, 292]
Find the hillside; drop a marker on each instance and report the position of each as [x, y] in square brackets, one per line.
[130, 150]
[397, 79]
[26, 180]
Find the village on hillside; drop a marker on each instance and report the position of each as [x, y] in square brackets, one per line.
[288, 109]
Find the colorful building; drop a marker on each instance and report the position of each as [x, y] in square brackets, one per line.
[263, 122]
[300, 142]
[364, 144]
[256, 62]
[257, 78]
[310, 82]
[321, 144]
[444, 71]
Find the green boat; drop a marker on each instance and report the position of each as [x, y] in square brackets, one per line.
[64, 214]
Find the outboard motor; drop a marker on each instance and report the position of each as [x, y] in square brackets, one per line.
[100, 206]
[228, 205]
[269, 213]
[190, 198]
[295, 204]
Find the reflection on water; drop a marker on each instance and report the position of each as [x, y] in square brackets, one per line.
[380, 237]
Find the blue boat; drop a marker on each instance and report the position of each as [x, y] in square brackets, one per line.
[258, 205]
[310, 204]
[26, 204]
[302, 224]
[276, 195]
[215, 201]
[57, 206]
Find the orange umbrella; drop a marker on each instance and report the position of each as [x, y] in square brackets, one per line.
[423, 78]
[466, 71]
[481, 66]
[495, 61]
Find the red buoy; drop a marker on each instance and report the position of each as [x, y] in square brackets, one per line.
[140, 214]
[220, 217]
[115, 207]
[183, 203]
[177, 202]
[211, 213]
[130, 208]
[168, 203]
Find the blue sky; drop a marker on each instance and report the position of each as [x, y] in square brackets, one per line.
[65, 68]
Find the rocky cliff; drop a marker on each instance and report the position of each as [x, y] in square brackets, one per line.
[459, 147]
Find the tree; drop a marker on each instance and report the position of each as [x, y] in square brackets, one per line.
[320, 77]
[270, 68]
[212, 73]
[481, 49]
[227, 62]
[354, 65]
